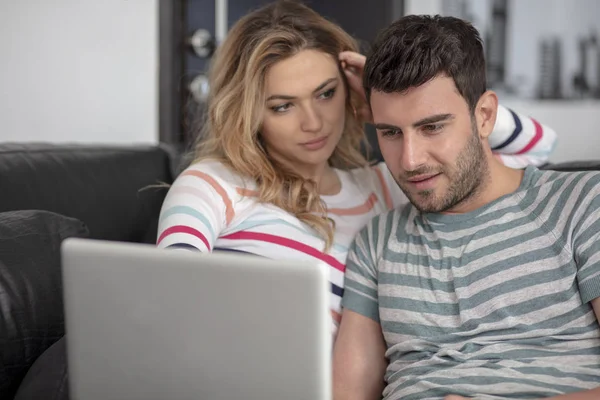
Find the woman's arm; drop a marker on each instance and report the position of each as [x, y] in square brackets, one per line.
[519, 141]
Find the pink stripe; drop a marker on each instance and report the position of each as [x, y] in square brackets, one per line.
[358, 210]
[536, 138]
[229, 211]
[183, 229]
[386, 191]
[292, 244]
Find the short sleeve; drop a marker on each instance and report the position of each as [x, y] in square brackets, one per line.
[360, 285]
[196, 209]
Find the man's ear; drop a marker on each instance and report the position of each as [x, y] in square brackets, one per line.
[485, 113]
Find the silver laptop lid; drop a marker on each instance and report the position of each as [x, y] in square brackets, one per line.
[149, 324]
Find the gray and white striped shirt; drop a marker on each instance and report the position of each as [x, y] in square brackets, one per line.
[494, 303]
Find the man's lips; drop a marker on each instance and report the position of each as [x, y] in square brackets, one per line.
[421, 178]
[424, 182]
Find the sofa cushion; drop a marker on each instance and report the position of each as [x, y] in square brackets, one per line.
[103, 186]
[589, 165]
[31, 304]
[47, 377]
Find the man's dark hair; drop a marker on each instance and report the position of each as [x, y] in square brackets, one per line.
[417, 48]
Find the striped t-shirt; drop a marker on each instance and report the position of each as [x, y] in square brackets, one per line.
[209, 207]
[494, 303]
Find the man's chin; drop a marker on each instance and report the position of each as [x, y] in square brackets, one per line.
[424, 202]
[427, 202]
[427, 208]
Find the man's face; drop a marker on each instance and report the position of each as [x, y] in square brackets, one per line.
[430, 144]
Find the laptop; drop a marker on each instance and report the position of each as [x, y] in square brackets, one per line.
[146, 324]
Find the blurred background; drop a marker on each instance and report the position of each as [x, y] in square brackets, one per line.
[133, 71]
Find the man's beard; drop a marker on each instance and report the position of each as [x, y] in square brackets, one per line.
[466, 179]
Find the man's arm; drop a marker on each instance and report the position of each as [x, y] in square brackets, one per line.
[358, 359]
[359, 352]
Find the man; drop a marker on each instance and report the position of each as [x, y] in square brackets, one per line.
[486, 286]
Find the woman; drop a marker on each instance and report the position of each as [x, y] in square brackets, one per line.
[279, 172]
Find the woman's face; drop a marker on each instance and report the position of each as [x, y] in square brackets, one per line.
[304, 110]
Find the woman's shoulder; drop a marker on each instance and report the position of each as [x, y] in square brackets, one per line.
[214, 172]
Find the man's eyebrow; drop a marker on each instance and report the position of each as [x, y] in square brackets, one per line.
[285, 97]
[425, 121]
[433, 119]
[382, 127]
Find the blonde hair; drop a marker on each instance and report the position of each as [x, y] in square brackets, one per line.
[236, 105]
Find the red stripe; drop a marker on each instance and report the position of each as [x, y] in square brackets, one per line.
[536, 138]
[183, 229]
[265, 237]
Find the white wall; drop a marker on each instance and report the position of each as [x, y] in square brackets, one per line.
[422, 6]
[79, 71]
[533, 20]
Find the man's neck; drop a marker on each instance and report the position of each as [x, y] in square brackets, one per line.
[499, 181]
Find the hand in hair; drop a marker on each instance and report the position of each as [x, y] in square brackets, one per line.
[353, 65]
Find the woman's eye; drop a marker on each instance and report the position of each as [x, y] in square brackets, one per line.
[281, 108]
[328, 94]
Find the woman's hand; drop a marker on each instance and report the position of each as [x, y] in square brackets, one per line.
[353, 65]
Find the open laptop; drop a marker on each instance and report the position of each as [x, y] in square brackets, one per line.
[150, 324]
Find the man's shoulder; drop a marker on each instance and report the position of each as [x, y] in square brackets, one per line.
[392, 222]
[565, 178]
[562, 199]
[580, 183]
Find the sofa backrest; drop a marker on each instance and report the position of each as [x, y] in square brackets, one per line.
[106, 187]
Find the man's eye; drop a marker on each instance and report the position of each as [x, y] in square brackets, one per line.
[390, 133]
[433, 128]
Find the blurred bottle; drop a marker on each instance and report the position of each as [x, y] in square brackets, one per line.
[586, 81]
[496, 44]
[593, 65]
[549, 69]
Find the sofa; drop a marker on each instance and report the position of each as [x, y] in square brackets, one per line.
[49, 192]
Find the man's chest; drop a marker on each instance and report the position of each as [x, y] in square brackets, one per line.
[474, 286]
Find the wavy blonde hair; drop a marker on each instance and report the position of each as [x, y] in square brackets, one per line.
[231, 131]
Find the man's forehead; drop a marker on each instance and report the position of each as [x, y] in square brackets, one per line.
[441, 85]
[438, 96]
